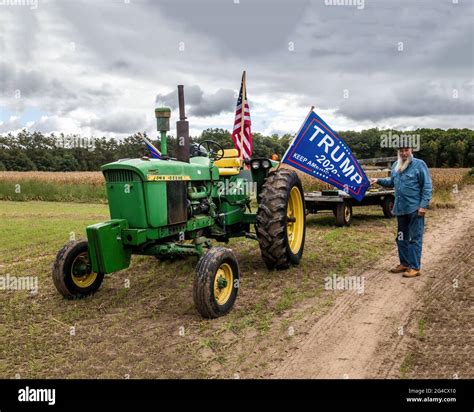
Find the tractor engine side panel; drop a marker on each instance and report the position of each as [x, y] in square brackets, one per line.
[156, 204]
[177, 202]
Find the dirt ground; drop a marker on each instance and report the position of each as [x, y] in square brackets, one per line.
[142, 322]
[419, 328]
[286, 324]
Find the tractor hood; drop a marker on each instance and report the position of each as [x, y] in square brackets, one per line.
[199, 168]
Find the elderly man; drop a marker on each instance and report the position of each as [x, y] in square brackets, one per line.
[412, 182]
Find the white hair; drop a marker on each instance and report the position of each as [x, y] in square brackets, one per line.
[403, 164]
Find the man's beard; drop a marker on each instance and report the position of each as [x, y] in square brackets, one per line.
[403, 164]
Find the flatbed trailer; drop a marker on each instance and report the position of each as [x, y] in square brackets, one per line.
[341, 204]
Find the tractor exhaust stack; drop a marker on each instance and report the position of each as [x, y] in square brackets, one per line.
[182, 130]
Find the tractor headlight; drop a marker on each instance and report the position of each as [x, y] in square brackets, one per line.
[266, 164]
[255, 164]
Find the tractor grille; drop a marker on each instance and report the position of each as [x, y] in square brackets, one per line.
[120, 175]
[177, 203]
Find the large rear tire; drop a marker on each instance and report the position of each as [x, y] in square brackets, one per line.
[281, 219]
[216, 283]
[72, 273]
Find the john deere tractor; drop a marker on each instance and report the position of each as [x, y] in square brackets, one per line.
[173, 207]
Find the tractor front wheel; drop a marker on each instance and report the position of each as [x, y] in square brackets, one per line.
[216, 282]
[72, 272]
[281, 219]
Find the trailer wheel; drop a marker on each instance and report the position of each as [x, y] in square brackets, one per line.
[343, 214]
[72, 272]
[216, 282]
[387, 206]
[281, 219]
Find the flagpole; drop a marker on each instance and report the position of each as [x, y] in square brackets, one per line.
[242, 119]
[293, 140]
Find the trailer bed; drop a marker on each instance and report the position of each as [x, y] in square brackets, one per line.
[341, 203]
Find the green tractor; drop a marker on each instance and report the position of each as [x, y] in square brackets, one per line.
[171, 208]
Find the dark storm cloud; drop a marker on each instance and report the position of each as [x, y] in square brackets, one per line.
[57, 96]
[193, 96]
[200, 104]
[24, 37]
[132, 49]
[31, 83]
[435, 36]
[223, 100]
[418, 100]
[245, 27]
[119, 122]
[342, 47]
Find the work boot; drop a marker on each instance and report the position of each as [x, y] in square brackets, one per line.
[411, 273]
[399, 269]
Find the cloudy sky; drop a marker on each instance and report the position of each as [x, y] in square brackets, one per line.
[99, 67]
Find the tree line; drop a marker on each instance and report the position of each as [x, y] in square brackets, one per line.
[28, 151]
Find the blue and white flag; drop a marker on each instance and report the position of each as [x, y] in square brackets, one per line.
[318, 151]
[155, 153]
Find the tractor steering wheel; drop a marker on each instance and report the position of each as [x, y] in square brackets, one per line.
[214, 155]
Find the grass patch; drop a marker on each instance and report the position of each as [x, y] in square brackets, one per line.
[406, 365]
[443, 199]
[136, 330]
[286, 300]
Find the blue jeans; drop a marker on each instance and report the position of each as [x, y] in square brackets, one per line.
[410, 239]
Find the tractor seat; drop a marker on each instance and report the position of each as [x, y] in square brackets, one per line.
[230, 164]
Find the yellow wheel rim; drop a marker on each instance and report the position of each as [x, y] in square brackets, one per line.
[223, 284]
[295, 220]
[80, 275]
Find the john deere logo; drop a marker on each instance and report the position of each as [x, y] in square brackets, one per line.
[167, 178]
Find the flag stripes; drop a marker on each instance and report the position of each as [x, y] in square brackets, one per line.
[242, 137]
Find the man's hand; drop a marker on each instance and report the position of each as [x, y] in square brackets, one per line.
[421, 211]
[373, 180]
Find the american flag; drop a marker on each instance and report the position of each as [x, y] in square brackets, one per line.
[245, 141]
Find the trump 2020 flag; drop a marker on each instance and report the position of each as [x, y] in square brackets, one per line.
[318, 151]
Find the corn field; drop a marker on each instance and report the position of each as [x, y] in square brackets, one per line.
[442, 179]
[85, 187]
[89, 178]
[89, 186]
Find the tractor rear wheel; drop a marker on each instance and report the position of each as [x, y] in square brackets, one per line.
[216, 282]
[281, 219]
[72, 272]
